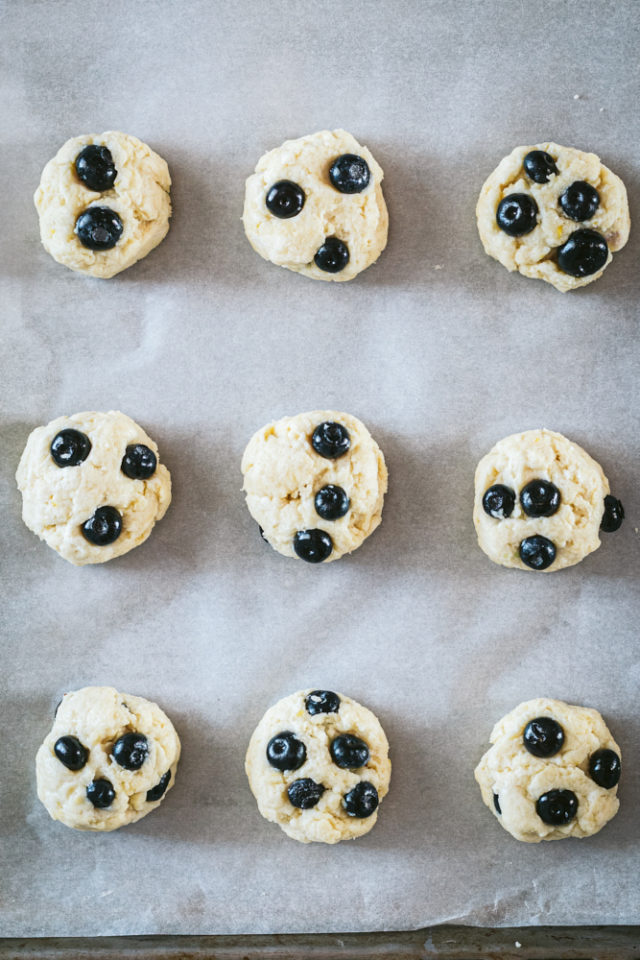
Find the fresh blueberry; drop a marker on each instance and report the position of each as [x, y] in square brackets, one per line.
[584, 253]
[613, 515]
[159, 790]
[98, 228]
[70, 447]
[557, 807]
[285, 199]
[517, 214]
[314, 546]
[539, 166]
[285, 751]
[540, 498]
[331, 502]
[543, 737]
[604, 768]
[322, 701]
[131, 750]
[331, 440]
[350, 173]
[139, 462]
[71, 753]
[537, 552]
[95, 167]
[499, 501]
[103, 528]
[362, 801]
[496, 804]
[101, 793]
[580, 200]
[304, 793]
[332, 256]
[349, 752]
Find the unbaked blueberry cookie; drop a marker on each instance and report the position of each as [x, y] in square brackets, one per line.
[318, 766]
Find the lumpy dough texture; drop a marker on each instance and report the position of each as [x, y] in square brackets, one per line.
[283, 473]
[98, 717]
[139, 195]
[533, 254]
[518, 779]
[541, 455]
[359, 220]
[327, 821]
[57, 501]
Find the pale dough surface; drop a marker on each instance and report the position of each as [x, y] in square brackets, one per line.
[140, 196]
[532, 254]
[360, 220]
[56, 501]
[97, 717]
[519, 779]
[327, 822]
[282, 473]
[542, 455]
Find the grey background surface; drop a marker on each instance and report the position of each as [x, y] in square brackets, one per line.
[203, 342]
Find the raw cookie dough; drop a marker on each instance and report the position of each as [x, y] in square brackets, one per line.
[309, 504]
[577, 202]
[109, 759]
[295, 180]
[84, 504]
[139, 196]
[327, 754]
[552, 771]
[541, 501]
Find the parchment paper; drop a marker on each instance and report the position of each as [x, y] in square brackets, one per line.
[437, 348]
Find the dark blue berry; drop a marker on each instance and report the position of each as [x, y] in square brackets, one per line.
[101, 794]
[103, 528]
[332, 256]
[613, 515]
[99, 228]
[322, 701]
[95, 167]
[285, 751]
[580, 200]
[349, 752]
[605, 768]
[543, 737]
[70, 447]
[304, 793]
[539, 166]
[584, 253]
[362, 801]
[71, 753]
[331, 502]
[131, 750]
[537, 552]
[557, 807]
[499, 501]
[331, 440]
[350, 173]
[139, 462]
[496, 804]
[517, 214]
[314, 546]
[160, 788]
[285, 199]
[540, 498]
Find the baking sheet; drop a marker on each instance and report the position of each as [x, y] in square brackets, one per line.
[437, 348]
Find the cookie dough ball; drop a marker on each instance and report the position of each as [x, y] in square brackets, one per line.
[315, 205]
[552, 771]
[541, 502]
[315, 484]
[554, 213]
[318, 765]
[109, 759]
[103, 203]
[92, 485]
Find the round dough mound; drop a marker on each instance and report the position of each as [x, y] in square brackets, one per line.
[360, 219]
[533, 254]
[97, 717]
[56, 501]
[327, 821]
[541, 455]
[283, 473]
[517, 778]
[140, 197]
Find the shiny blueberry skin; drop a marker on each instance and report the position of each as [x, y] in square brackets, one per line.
[517, 214]
[98, 228]
[557, 807]
[322, 701]
[543, 737]
[496, 804]
[605, 768]
[139, 462]
[95, 167]
[499, 501]
[131, 750]
[584, 253]
[160, 788]
[71, 753]
[304, 793]
[332, 256]
[101, 794]
[331, 502]
[103, 528]
[314, 546]
[613, 515]
[539, 166]
[285, 199]
[537, 552]
[285, 751]
[350, 173]
[70, 448]
[540, 498]
[331, 440]
[580, 200]
[349, 752]
[362, 801]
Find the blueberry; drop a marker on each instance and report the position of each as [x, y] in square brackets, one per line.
[285, 751]
[539, 166]
[557, 807]
[584, 253]
[540, 498]
[71, 753]
[517, 214]
[543, 737]
[499, 501]
[131, 750]
[349, 173]
[331, 440]
[332, 256]
[159, 790]
[349, 752]
[139, 462]
[304, 793]
[314, 546]
[322, 701]
[101, 793]
[580, 200]
[98, 228]
[496, 804]
[95, 167]
[103, 528]
[604, 768]
[331, 502]
[362, 801]
[537, 552]
[70, 447]
[613, 515]
[285, 199]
